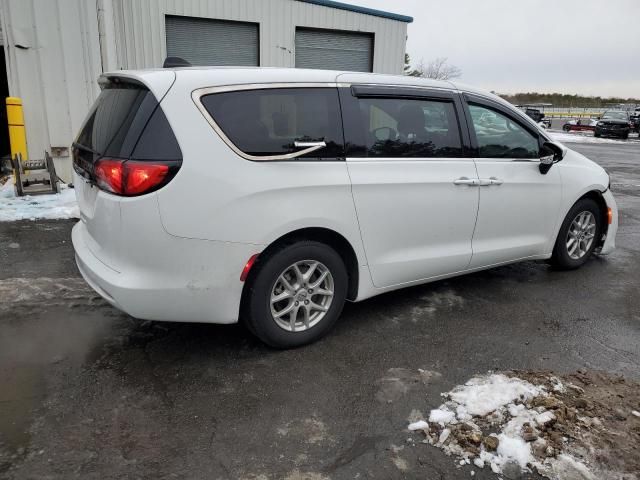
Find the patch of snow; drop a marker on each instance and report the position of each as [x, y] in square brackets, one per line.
[441, 416]
[579, 137]
[504, 402]
[635, 413]
[419, 425]
[513, 449]
[483, 395]
[544, 418]
[444, 436]
[32, 207]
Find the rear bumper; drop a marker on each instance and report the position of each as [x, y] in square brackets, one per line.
[180, 280]
[610, 242]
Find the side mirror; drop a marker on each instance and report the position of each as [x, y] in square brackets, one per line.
[550, 153]
[597, 118]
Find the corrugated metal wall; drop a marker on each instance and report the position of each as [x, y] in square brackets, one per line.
[53, 60]
[56, 49]
[140, 29]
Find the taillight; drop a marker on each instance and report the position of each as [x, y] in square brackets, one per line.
[109, 175]
[128, 177]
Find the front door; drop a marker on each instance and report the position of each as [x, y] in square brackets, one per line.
[519, 206]
[413, 186]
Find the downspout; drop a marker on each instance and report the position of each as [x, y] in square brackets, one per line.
[106, 35]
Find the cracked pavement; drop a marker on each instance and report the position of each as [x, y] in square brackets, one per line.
[88, 392]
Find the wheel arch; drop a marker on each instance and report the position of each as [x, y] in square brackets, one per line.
[596, 195]
[319, 234]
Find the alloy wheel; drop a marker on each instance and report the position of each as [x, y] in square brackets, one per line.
[581, 235]
[301, 295]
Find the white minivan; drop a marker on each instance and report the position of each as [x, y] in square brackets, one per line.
[271, 196]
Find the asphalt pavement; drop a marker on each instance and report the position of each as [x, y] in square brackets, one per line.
[88, 392]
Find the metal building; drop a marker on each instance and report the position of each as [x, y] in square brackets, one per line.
[54, 50]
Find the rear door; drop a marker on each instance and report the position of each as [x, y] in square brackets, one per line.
[414, 187]
[125, 122]
[518, 205]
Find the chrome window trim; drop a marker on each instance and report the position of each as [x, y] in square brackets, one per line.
[197, 95]
[505, 160]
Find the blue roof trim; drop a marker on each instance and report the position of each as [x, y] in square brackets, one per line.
[357, 9]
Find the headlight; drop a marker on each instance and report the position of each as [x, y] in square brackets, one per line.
[599, 124]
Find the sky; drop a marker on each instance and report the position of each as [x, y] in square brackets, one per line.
[587, 47]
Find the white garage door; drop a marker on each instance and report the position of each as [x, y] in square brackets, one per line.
[202, 41]
[333, 50]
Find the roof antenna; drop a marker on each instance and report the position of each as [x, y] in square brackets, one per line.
[171, 62]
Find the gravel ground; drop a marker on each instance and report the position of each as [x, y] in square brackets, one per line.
[90, 393]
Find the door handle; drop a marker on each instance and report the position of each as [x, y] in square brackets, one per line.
[478, 182]
[472, 182]
[487, 182]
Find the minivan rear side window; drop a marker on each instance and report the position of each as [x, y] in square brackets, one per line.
[408, 128]
[269, 122]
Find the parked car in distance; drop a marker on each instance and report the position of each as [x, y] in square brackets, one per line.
[635, 121]
[537, 116]
[613, 123]
[272, 196]
[580, 125]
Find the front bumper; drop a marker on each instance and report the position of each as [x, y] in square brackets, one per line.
[610, 241]
[612, 132]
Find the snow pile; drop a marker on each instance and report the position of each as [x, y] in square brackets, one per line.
[503, 423]
[48, 206]
[578, 137]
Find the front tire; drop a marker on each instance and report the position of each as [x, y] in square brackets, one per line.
[579, 235]
[296, 294]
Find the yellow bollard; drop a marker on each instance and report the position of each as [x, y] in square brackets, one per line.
[17, 132]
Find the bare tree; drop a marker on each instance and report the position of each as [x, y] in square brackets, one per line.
[437, 69]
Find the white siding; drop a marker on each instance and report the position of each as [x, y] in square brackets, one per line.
[55, 72]
[141, 23]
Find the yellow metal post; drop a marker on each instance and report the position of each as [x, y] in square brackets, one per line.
[17, 132]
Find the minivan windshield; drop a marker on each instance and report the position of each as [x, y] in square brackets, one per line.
[615, 115]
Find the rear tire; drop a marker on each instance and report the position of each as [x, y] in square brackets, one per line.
[579, 235]
[306, 311]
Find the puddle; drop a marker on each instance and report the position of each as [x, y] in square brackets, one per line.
[35, 350]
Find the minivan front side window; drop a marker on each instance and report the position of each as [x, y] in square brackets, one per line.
[409, 128]
[279, 121]
[499, 136]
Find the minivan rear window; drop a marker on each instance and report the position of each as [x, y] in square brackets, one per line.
[126, 122]
[269, 121]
